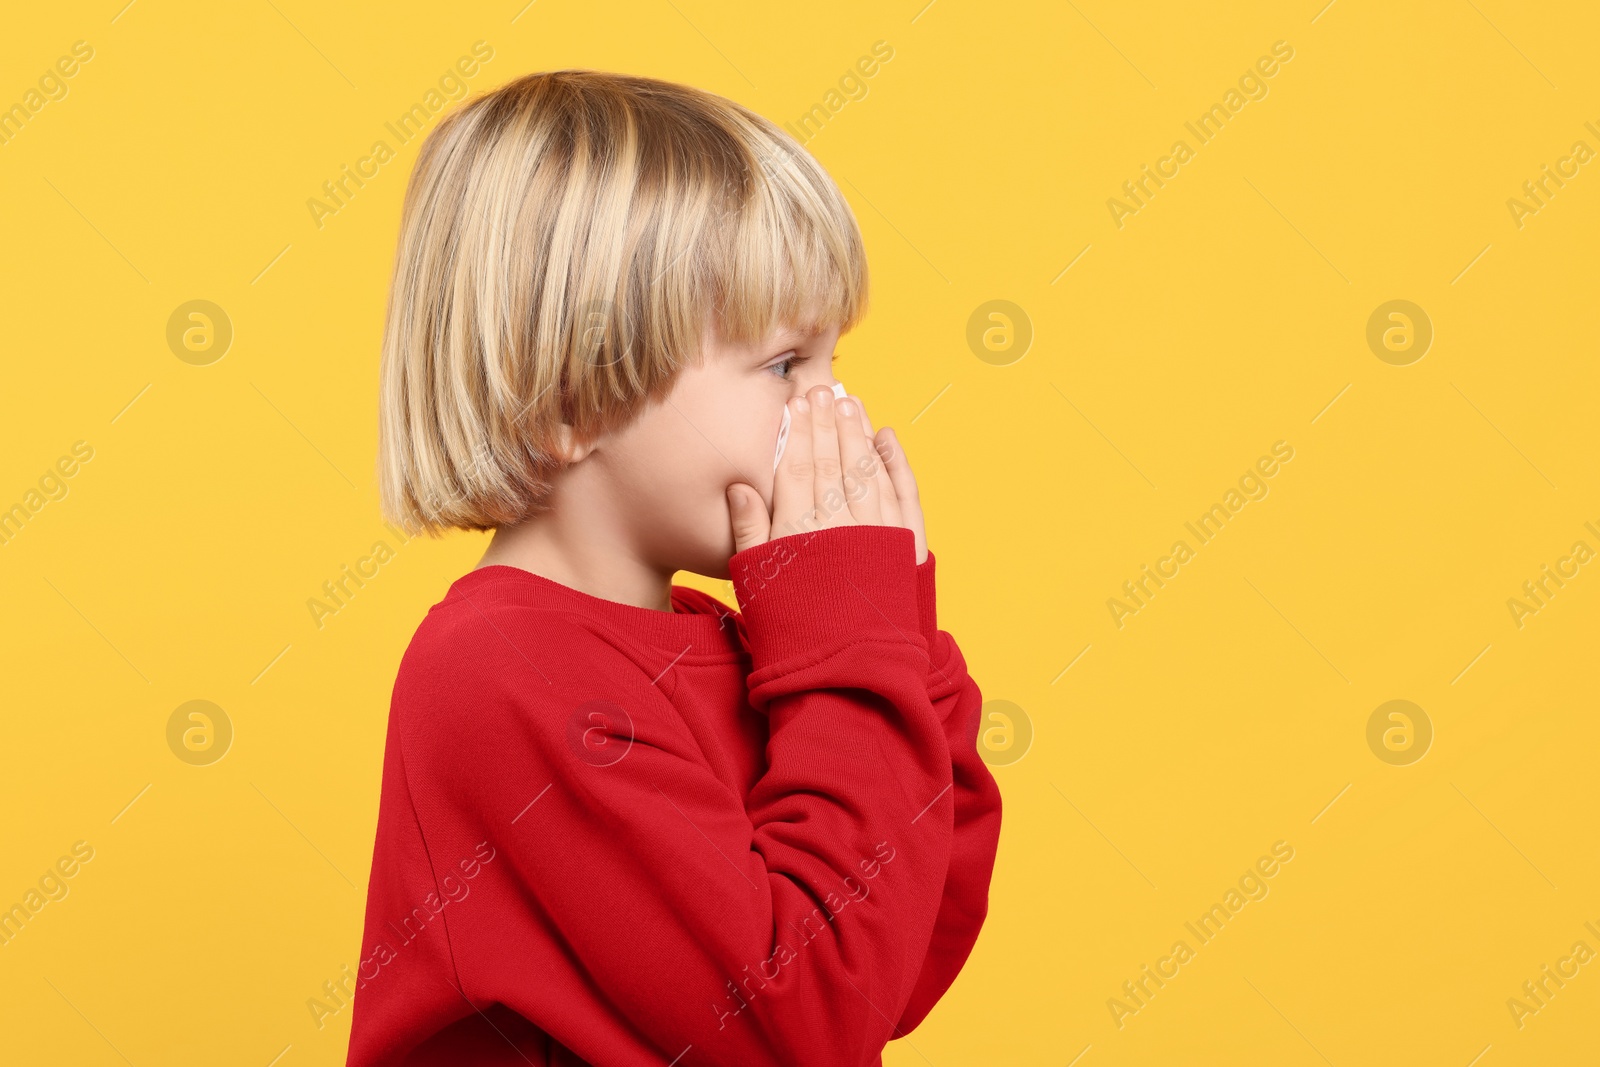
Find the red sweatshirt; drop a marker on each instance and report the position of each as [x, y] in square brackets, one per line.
[615, 836]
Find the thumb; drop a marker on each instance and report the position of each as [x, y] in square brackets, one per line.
[751, 525]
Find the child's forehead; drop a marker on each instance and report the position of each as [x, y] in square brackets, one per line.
[791, 333]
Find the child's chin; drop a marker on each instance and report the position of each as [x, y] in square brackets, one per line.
[711, 561]
[717, 565]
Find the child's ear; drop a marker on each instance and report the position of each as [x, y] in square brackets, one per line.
[570, 449]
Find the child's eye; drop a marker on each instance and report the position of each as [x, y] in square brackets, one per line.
[785, 366]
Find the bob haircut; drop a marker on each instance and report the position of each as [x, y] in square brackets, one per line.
[566, 242]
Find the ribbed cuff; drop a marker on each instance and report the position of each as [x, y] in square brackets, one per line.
[815, 590]
[926, 606]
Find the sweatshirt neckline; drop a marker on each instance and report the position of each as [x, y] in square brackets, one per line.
[683, 629]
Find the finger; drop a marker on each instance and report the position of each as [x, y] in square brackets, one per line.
[748, 516]
[793, 496]
[827, 483]
[905, 488]
[880, 472]
[859, 462]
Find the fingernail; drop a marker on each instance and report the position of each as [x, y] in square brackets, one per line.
[802, 405]
[847, 408]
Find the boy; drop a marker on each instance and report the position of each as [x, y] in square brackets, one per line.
[621, 824]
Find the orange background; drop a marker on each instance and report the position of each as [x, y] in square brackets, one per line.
[1132, 376]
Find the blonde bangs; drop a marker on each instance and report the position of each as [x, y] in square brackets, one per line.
[791, 254]
[566, 242]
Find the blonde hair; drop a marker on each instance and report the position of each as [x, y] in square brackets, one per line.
[565, 242]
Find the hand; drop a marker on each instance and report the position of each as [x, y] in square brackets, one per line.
[834, 472]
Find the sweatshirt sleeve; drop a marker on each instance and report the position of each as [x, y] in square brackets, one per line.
[785, 927]
[765, 577]
[976, 831]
